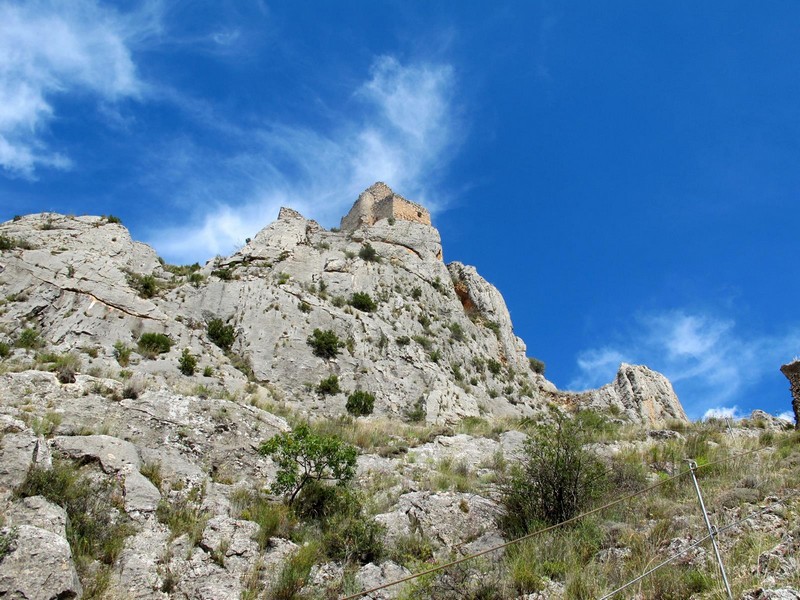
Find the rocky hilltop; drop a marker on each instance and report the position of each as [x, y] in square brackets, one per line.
[427, 336]
[138, 400]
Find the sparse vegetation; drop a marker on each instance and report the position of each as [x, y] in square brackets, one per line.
[152, 344]
[360, 403]
[324, 344]
[122, 353]
[537, 366]
[329, 386]
[96, 527]
[368, 253]
[187, 363]
[146, 285]
[221, 334]
[28, 339]
[363, 302]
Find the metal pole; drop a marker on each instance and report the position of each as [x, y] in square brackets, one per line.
[712, 531]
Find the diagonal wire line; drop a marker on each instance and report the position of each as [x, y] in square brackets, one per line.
[698, 543]
[545, 530]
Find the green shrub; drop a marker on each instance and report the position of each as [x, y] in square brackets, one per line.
[95, 529]
[325, 344]
[537, 366]
[368, 253]
[184, 515]
[196, 279]
[112, 219]
[7, 540]
[556, 479]
[66, 366]
[403, 340]
[303, 456]
[493, 366]
[423, 341]
[146, 285]
[225, 274]
[28, 339]
[187, 364]
[208, 371]
[360, 403]
[329, 386]
[363, 302]
[294, 574]
[220, 334]
[122, 353]
[7, 243]
[457, 332]
[152, 344]
[304, 306]
[351, 536]
[5, 350]
[273, 519]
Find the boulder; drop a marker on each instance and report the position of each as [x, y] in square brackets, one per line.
[39, 567]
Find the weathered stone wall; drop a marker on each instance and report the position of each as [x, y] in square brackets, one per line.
[380, 202]
[400, 208]
[792, 372]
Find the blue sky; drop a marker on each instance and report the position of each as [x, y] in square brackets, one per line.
[626, 173]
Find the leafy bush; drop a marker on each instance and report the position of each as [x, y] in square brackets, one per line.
[403, 340]
[416, 293]
[225, 274]
[294, 574]
[28, 339]
[329, 386]
[537, 366]
[493, 366]
[556, 479]
[360, 403]
[7, 243]
[122, 353]
[368, 253]
[112, 219]
[5, 350]
[152, 344]
[220, 334]
[325, 344]
[303, 456]
[363, 302]
[146, 285]
[187, 364]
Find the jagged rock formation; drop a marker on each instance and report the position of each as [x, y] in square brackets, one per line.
[792, 372]
[637, 394]
[440, 337]
[176, 455]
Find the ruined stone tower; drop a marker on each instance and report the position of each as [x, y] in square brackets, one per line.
[379, 202]
[792, 372]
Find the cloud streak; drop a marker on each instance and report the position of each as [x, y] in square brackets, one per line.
[709, 360]
[401, 128]
[50, 48]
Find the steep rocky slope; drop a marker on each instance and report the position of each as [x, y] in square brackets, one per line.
[122, 476]
[438, 339]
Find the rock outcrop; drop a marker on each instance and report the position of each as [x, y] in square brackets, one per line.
[637, 394]
[439, 340]
[792, 372]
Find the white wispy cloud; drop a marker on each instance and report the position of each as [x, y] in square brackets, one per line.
[711, 361]
[50, 48]
[401, 128]
[723, 412]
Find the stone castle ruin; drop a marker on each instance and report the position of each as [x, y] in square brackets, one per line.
[380, 202]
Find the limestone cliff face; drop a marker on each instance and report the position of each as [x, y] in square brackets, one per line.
[637, 394]
[439, 340]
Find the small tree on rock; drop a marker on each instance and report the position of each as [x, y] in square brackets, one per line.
[303, 456]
